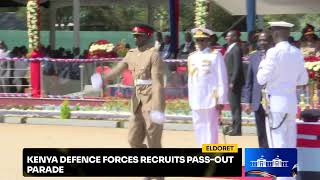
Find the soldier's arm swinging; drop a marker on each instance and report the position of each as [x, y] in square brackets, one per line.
[97, 80]
[121, 66]
[157, 73]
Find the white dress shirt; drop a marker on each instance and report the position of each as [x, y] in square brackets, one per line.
[207, 79]
[282, 71]
[230, 47]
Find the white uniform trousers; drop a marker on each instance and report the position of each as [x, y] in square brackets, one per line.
[286, 135]
[206, 125]
[283, 137]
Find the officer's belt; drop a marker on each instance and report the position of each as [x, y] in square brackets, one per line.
[138, 82]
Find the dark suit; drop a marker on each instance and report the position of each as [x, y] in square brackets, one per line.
[233, 60]
[190, 49]
[252, 95]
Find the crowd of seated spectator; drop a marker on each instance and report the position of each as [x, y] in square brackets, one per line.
[13, 72]
[176, 74]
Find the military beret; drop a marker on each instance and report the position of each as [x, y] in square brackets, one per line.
[143, 29]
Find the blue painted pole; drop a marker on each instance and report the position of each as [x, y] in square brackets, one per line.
[174, 24]
[251, 15]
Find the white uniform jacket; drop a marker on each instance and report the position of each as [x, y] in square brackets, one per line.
[207, 79]
[282, 71]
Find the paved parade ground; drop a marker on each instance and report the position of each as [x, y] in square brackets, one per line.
[15, 137]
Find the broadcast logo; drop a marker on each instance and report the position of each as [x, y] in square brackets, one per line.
[271, 162]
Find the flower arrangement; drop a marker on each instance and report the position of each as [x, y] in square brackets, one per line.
[201, 13]
[117, 104]
[173, 106]
[33, 23]
[102, 49]
[121, 49]
[312, 64]
[178, 106]
[308, 51]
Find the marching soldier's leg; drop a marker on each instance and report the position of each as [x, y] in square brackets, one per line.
[154, 135]
[154, 131]
[137, 130]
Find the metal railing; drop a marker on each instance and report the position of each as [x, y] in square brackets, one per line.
[9, 75]
[81, 82]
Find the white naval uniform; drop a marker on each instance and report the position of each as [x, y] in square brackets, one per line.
[207, 85]
[282, 71]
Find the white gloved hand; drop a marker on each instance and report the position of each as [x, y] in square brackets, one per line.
[157, 117]
[96, 81]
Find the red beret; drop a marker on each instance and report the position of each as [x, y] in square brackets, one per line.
[142, 30]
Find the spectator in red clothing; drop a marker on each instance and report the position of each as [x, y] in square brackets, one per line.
[127, 78]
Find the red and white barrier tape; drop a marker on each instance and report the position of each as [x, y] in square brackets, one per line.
[78, 60]
[69, 97]
[15, 95]
[48, 96]
[245, 58]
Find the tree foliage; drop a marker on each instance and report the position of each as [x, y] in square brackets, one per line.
[120, 17]
[294, 19]
[187, 14]
[221, 20]
[313, 19]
